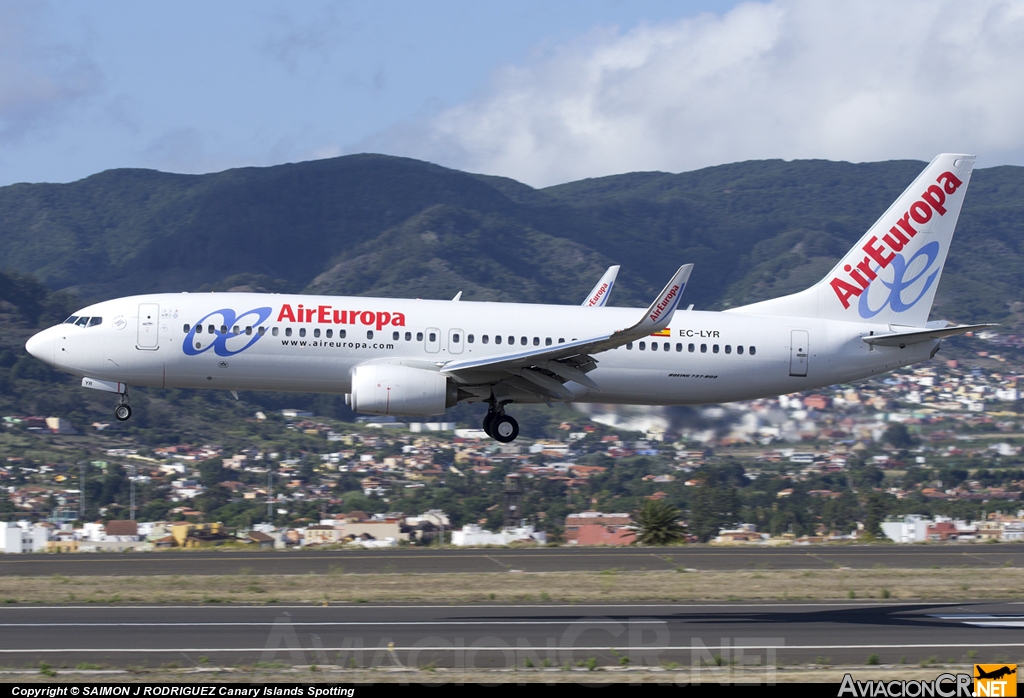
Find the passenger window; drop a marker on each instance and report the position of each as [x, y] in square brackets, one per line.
[432, 337]
[302, 331]
[95, 321]
[679, 347]
[369, 334]
[287, 331]
[223, 329]
[263, 331]
[248, 330]
[629, 345]
[235, 331]
[690, 348]
[485, 339]
[316, 332]
[211, 329]
[728, 348]
[71, 320]
[82, 321]
[522, 340]
[512, 340]
[643, 345]
[497, 339]
[739, 349]
[419, 336]
[342, 333]
[753, 350]
[703, 348]
[547, 341]
[455, 339]
[329, 334]
[654, 346]
[714, 349]
[408, 336]
[536, 341]
[561, 340]
[274, 331]
[469, 338]
[185, 330]
[394, 335]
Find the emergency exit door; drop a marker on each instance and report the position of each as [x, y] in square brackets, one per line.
[798, 352]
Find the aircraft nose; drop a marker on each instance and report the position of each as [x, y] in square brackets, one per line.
[41, 345]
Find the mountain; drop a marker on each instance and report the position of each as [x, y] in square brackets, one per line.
[379, 225]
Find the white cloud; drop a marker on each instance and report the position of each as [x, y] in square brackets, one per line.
[786, 79]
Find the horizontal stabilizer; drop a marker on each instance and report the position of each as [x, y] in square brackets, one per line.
[903, 339]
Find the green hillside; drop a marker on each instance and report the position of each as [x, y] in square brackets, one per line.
[378, 225]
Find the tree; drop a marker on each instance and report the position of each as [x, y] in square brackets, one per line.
[714, 507]
[899, 436]
[657, 523]
[211, 472]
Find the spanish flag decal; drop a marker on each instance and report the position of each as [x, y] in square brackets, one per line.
[663, 333]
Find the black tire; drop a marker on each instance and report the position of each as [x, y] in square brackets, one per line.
[123, 413]
[504, 429]
[488, 423]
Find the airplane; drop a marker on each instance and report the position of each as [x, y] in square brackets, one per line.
[995, 673]
[418, 358]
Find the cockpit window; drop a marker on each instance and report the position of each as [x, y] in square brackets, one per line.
[71, 320]
[93, 321]
[82, 321]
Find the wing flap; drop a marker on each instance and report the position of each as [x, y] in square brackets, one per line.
[573, 355]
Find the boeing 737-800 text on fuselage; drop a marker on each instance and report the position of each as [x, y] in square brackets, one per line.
[419, 357]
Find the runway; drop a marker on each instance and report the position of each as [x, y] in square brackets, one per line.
[502, 636]
[562, 559]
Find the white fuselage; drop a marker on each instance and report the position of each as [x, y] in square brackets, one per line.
[706, 357]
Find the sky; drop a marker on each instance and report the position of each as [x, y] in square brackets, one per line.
[543, 92]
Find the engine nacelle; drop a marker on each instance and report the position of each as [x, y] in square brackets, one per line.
[400, 390]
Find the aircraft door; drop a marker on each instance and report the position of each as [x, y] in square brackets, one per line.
[149, 326]
[433, 340]
[455, 341]
[799, 350]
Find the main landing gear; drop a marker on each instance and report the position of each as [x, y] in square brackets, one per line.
[123, 411]
[500, 426]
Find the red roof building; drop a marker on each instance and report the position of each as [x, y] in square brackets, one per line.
[597, 528]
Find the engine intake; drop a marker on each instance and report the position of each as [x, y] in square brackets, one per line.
[400, 390]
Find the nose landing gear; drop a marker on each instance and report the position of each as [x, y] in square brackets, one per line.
[123, 411]
[500, 426]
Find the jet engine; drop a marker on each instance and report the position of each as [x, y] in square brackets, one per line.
[400, 390]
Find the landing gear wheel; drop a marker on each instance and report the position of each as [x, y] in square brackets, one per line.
[504, 429]
[489, 423]
[123, 413]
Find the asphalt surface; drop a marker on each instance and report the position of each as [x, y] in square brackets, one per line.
[501, 560]
[501, 636]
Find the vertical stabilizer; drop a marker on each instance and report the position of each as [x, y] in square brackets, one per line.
[891, 274]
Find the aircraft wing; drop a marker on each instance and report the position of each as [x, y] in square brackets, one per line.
[915, 336]
[545, 369]
[598, 295]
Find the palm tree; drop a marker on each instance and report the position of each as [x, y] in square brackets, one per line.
[657, 523]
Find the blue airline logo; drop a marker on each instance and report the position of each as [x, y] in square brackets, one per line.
[895, 300]
[218, 341]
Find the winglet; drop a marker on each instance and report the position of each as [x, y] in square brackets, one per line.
[659, 315]
[599, 294]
